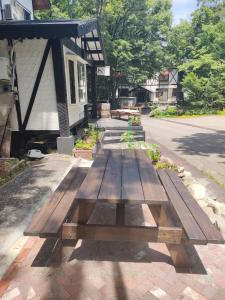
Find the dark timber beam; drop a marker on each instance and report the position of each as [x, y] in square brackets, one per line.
[60, 87]
[91, 39]
[73, 47]
[36, 84]
[94, 92]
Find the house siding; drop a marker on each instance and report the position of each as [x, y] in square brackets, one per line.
[44, 115]
[76, 111]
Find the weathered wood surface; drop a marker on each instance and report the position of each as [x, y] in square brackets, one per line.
[211, 233]
[122, 176]
[122, 233]
[54, 212]
[189, 224]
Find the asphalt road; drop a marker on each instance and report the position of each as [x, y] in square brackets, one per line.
[201, 141]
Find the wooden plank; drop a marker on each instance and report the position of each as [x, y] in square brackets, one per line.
[66, 204]
[154, 192]
[120, 213]
[42, 216]
[190, 226]
[210, 231]
[112, 181]
[131, 182]
[90, 187]
[122, 233]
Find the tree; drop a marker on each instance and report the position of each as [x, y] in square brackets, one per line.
[135, 35]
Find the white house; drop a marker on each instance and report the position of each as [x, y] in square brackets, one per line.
[161, 89]
[45, 65]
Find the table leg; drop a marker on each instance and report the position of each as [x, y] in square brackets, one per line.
[120, 213]
[179, 253]
[81, 215]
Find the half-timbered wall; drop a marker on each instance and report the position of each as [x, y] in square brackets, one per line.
[44, 115]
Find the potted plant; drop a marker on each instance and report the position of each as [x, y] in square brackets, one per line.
[85, 147]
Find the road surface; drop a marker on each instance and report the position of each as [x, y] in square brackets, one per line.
[201, 141]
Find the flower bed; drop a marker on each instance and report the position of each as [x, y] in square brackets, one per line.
[85, 147]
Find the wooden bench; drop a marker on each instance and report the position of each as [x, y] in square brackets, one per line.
[48, 221]
[195, 222]
[118, 113]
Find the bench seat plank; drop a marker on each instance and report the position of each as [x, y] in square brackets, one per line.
[54, 223]
[192, 229]
[152, 187]
[41, 217]
[210, 231]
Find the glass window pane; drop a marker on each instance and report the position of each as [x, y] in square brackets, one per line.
[81, 81]
[72, 82]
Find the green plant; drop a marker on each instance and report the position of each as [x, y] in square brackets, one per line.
[166, 113]
[165, 165]
[153, 152]
[128, 137]
[82, 144]
[134, 120]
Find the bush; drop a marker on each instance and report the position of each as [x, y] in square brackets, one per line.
[168, 112]
[153, 152]
[91, 137]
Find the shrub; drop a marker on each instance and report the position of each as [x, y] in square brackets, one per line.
[165, 165]
[153, 152]
[168, 112]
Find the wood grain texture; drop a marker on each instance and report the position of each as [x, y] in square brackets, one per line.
[132, 191]
[211, 233]
[90, 187]
[112, 181]
[41, 217]
[190, 226]
[122, 233]
[66, 204]
[153, 190]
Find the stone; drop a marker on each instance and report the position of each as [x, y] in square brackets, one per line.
[65, 145]
[181, 175]
[180, 170]
[198, 191]
[220, 224]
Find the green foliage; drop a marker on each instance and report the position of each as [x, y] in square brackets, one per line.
[165, 165]
[89, 140]
[135, 36]
[167, 113]
[197, 47]
[134, 120]
[153, 152]
[128, 137]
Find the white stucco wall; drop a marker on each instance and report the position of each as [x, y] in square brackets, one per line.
[44, 115]
[18, 6]
[76, 111]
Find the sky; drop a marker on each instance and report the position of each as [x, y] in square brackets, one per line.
[182, 9]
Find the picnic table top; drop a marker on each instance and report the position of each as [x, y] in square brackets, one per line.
[122, 176]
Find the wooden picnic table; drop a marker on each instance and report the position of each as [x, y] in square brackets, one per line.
[126, 177]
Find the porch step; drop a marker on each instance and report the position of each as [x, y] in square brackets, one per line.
[124, 128]
[117, 139]
[121, 132]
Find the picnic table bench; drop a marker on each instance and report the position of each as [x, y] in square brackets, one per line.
[125, 177]
[118, 113]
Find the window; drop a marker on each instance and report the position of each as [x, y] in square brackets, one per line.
[164, 78]
[174, 93]
[81, 69]
[72, 82]
[27, 15]
[124, 92]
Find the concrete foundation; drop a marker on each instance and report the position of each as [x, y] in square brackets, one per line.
[65, 145]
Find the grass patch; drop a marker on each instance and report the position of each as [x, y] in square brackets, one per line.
[210, 176]
[175, 112]
[6, 178]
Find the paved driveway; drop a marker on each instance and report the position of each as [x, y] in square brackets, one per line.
[201, 141]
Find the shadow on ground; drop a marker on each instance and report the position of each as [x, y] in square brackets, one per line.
[203, 144]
